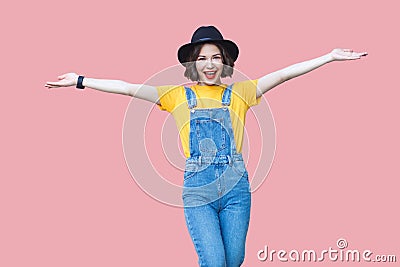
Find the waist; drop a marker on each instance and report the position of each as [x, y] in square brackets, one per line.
[223, 159]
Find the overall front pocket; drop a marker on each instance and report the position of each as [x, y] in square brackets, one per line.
[211, 135]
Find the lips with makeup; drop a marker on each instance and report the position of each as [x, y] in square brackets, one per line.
[210, 74]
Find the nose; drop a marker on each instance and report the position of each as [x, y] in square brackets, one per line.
[209, 64]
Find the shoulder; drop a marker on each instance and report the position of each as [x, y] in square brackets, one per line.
[167, 89]
[246, 91]
[243, 85]
[169, 95]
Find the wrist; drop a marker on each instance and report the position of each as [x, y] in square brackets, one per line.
[328, 58]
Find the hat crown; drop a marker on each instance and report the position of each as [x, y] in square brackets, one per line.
[205, 33]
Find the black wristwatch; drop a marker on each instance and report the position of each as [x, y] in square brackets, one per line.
[79, 83]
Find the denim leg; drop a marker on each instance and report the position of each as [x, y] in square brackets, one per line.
[204, 228]
[234, 220]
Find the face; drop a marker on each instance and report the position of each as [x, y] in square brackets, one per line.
[209, 65]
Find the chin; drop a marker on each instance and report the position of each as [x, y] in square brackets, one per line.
[210, 82]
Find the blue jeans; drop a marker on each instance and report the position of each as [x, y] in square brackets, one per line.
[217, 202]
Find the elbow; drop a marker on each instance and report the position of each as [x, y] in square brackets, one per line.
[283, 76]
[129, 89]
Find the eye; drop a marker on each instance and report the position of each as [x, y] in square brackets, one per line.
[201, 58]
[217, 58]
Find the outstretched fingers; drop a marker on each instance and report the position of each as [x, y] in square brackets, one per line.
[356, 55]
[52, 84]
[347, 54]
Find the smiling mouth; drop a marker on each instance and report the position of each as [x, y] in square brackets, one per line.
[210, 74]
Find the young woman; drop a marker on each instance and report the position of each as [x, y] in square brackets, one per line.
[210, 116]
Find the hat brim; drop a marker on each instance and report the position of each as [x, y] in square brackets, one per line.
[185, 50]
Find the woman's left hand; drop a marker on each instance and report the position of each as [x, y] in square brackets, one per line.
[346, 54]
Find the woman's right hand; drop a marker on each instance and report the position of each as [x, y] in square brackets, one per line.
[68, 79]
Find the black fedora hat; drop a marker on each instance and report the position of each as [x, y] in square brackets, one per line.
[207, 34]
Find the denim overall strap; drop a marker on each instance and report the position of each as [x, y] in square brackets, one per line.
[226, 101]
[226, 97]
[191, 98]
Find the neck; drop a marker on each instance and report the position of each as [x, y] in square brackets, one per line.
[209, 84]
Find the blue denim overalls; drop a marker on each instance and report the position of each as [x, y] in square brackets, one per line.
[216, 193]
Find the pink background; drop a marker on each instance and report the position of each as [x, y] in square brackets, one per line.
[66, 195]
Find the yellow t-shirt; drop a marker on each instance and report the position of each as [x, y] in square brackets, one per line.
[173, 100]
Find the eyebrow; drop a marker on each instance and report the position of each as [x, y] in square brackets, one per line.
[219, 54]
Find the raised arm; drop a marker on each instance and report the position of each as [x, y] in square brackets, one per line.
[145, 92]
[273, 79]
